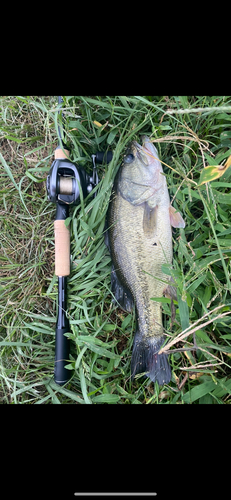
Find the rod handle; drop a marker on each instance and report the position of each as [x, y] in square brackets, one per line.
[61, 154]
[62, 248]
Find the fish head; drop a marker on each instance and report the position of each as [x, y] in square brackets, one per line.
[140, 174]
[145, 154]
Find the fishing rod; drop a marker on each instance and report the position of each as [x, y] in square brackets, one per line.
[64, 181]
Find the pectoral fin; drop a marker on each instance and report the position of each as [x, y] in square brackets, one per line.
[175, 218]
[149, 219]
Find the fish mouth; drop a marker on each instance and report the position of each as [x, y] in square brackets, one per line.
[140, 152]
[133, 147]
[147, 145]
[145, 153]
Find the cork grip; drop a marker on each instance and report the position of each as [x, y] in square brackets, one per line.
[62, 249]
[59, 153]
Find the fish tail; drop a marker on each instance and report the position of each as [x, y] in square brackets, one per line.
[145, 358]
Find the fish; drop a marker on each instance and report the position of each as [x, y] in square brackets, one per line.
[139, 225]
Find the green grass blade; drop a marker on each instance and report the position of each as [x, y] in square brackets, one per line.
[106, 398]
[183, 311]
[198, 392]
[84, 386]
[8, 170]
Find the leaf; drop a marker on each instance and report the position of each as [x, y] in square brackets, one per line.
[199, 391]
[13, 138]
[195, 284]
[8, 170]
[17, 344]
[224, 198]
[84, 386]
[95, 345]
[201, 334]
[164, 300]
[67, 221]
[97, 123]
[213, 172]
[106, 398]
[39, 327]
[225, 138]
[224, 387]
[111, 136]
[126, 321]
[228, 163]
[34, 178]
[183, 311]
[77, 125]
[165, 127]
[108, 327]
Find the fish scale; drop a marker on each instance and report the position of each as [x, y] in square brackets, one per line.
[140, 240]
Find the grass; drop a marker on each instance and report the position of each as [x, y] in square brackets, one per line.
[199, 341]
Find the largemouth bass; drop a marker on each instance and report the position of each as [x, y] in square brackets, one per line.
[139, 221]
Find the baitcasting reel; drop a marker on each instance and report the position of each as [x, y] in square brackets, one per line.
[64, 182]
[65, 177]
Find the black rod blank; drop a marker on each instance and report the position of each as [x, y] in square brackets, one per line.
[62, 343]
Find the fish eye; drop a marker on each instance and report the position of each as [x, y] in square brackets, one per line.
[129, 158]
